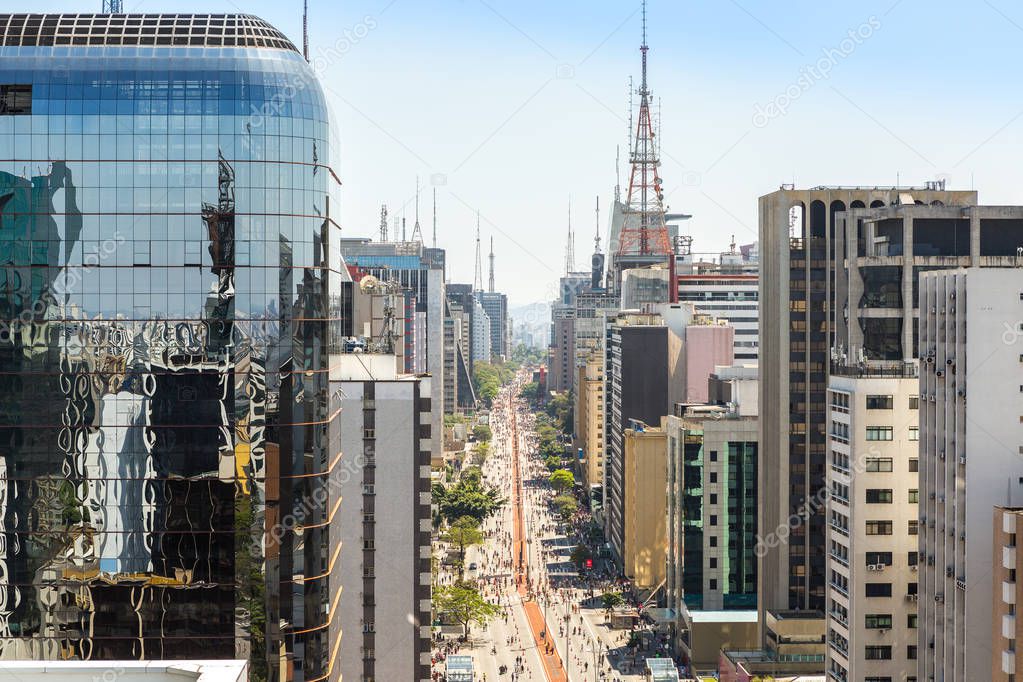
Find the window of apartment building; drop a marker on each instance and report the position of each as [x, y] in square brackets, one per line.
[879, 433]
[713, 541]
[713, 519]
[914, 496]
[877, 653]
[879, 527]
[879, 402]
[878, 621]
[911, 652]
[713, 477]
[879, 496]
[914, 527]
[879, 589]
[713, 584]
[914, 464]
[913, 558]
[914, 433]
[713, 455]
[875, 464]
[713, 562]
[882, 558]
[914, 402]
[911, 621]
[713, 498]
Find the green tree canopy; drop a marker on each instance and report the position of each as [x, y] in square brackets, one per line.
[482, 432]
[566, 506]
[464, 604]
[467, 498]
[463, 533]
[562, 480]
[611, 600]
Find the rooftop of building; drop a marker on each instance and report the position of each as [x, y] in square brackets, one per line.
[169, 30]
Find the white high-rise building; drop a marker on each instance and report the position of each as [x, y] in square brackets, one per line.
[971, 459]
[726, 288]
[481, 334]
[872, 523]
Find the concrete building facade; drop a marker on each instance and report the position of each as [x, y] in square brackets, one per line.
[971, 437]
[872, 532]
[385, 519]
[1007, 591]
[800, 253]
[635, 388]
[644, 540]
[725, 289]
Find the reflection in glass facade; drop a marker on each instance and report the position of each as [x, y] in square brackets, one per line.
[167, 301]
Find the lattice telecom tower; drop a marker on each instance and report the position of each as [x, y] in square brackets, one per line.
[113, 7]
[477, 281]
[644, 236]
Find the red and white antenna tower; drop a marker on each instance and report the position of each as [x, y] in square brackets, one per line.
[644, 235]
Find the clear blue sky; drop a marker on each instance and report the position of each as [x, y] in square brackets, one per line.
[519, 105]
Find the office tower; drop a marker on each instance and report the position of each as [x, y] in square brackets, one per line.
[644, 467]
[712, 508]
[636, 375]
[496, 306]
[452, 353]
[166, 419]
[708, 344]
[384, 519]
[799, 250]
[726, 289]
[480, 333]
[872, 533]
[420, 270]
[562, 351]
[971, 381]
[641, 286]
[590, 420]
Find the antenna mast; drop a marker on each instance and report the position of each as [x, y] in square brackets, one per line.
[305, 29]
[113, 7]
[570, 245]
[435, 217]
[417, 231]
[383, 223]
[491, 263]
[644, 236]
[477, 281]
[596, 236]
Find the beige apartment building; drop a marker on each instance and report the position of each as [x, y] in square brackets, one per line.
[590, 419]
[872, 522]
[645, 468]
[1006, 565]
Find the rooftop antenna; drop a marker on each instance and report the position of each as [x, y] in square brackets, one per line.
[596, 237]
[383, 223]
[417, 231]
[570, 245]
[435, 217]
[618, 172]
[491, 263]
[305, 28]
[477, 281]
[113, 6]
[403, 228]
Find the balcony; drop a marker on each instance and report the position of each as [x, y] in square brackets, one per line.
[1008, 592]
[1009, 662]
[840, 529]
[1008, 557]
[1009, 626]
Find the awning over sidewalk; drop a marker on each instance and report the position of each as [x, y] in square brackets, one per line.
[662, 616]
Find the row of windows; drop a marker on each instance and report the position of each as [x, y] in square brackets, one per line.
[885, 527]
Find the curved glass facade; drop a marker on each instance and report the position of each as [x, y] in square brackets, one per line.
[168, 301]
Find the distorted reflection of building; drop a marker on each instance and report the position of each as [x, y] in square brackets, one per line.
[168, 304]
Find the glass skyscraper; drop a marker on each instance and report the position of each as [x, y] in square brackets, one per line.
[169, 293]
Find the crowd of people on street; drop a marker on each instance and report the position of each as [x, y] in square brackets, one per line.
[570, 601]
